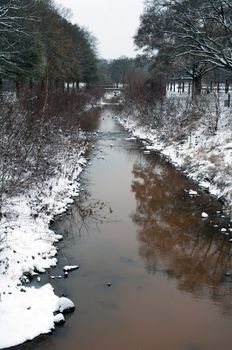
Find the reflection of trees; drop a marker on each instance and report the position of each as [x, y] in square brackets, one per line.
[85, 214]
[170, 230]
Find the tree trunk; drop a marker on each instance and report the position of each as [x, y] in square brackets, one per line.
[217, 107]
[17, 87]
[50, 84]
[46, 95]
[197, 85]
[30, 84]
[42, 84]
[211, 86]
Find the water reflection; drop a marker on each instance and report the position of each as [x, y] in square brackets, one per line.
[172, 239]
[86, 214]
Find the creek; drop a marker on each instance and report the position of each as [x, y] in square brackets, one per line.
[154, 275]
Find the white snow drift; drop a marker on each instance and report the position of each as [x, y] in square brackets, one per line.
[27, 249]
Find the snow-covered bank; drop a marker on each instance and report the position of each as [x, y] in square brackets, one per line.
[27, 248]
[205, 157]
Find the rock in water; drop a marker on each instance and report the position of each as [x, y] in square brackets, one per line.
[59, 319]
[193, 193]
[65, 305]
[66, 274]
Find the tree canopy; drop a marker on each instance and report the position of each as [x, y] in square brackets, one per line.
[38, 42]
[120, 68]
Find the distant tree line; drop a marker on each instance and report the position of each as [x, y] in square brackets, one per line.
[116, 71]
[188, 36]
[38, 43]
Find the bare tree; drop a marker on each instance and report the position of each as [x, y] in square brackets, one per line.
[193, 34]
[204, 30]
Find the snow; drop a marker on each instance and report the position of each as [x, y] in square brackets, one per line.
[28, 248]
[31, 313]
[70, 268]
[25, 315]
[204, 215]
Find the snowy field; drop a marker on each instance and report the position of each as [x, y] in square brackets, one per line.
[28, 248]
[205, 157]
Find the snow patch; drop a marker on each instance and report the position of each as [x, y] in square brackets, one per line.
[26, 315]
[70, 268]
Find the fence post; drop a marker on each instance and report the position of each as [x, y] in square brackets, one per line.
[211, 86]
[228, 100]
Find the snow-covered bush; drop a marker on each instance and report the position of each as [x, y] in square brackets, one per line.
[33, 128]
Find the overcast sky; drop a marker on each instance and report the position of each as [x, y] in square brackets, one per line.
[113, 22]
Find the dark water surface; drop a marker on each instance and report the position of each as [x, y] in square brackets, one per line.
[139, 230]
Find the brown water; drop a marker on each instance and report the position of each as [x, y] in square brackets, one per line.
[139, 230]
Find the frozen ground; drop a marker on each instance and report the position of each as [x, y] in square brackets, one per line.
[204, 156]
[28, 248]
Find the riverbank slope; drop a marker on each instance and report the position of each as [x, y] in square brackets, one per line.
[201, 147]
